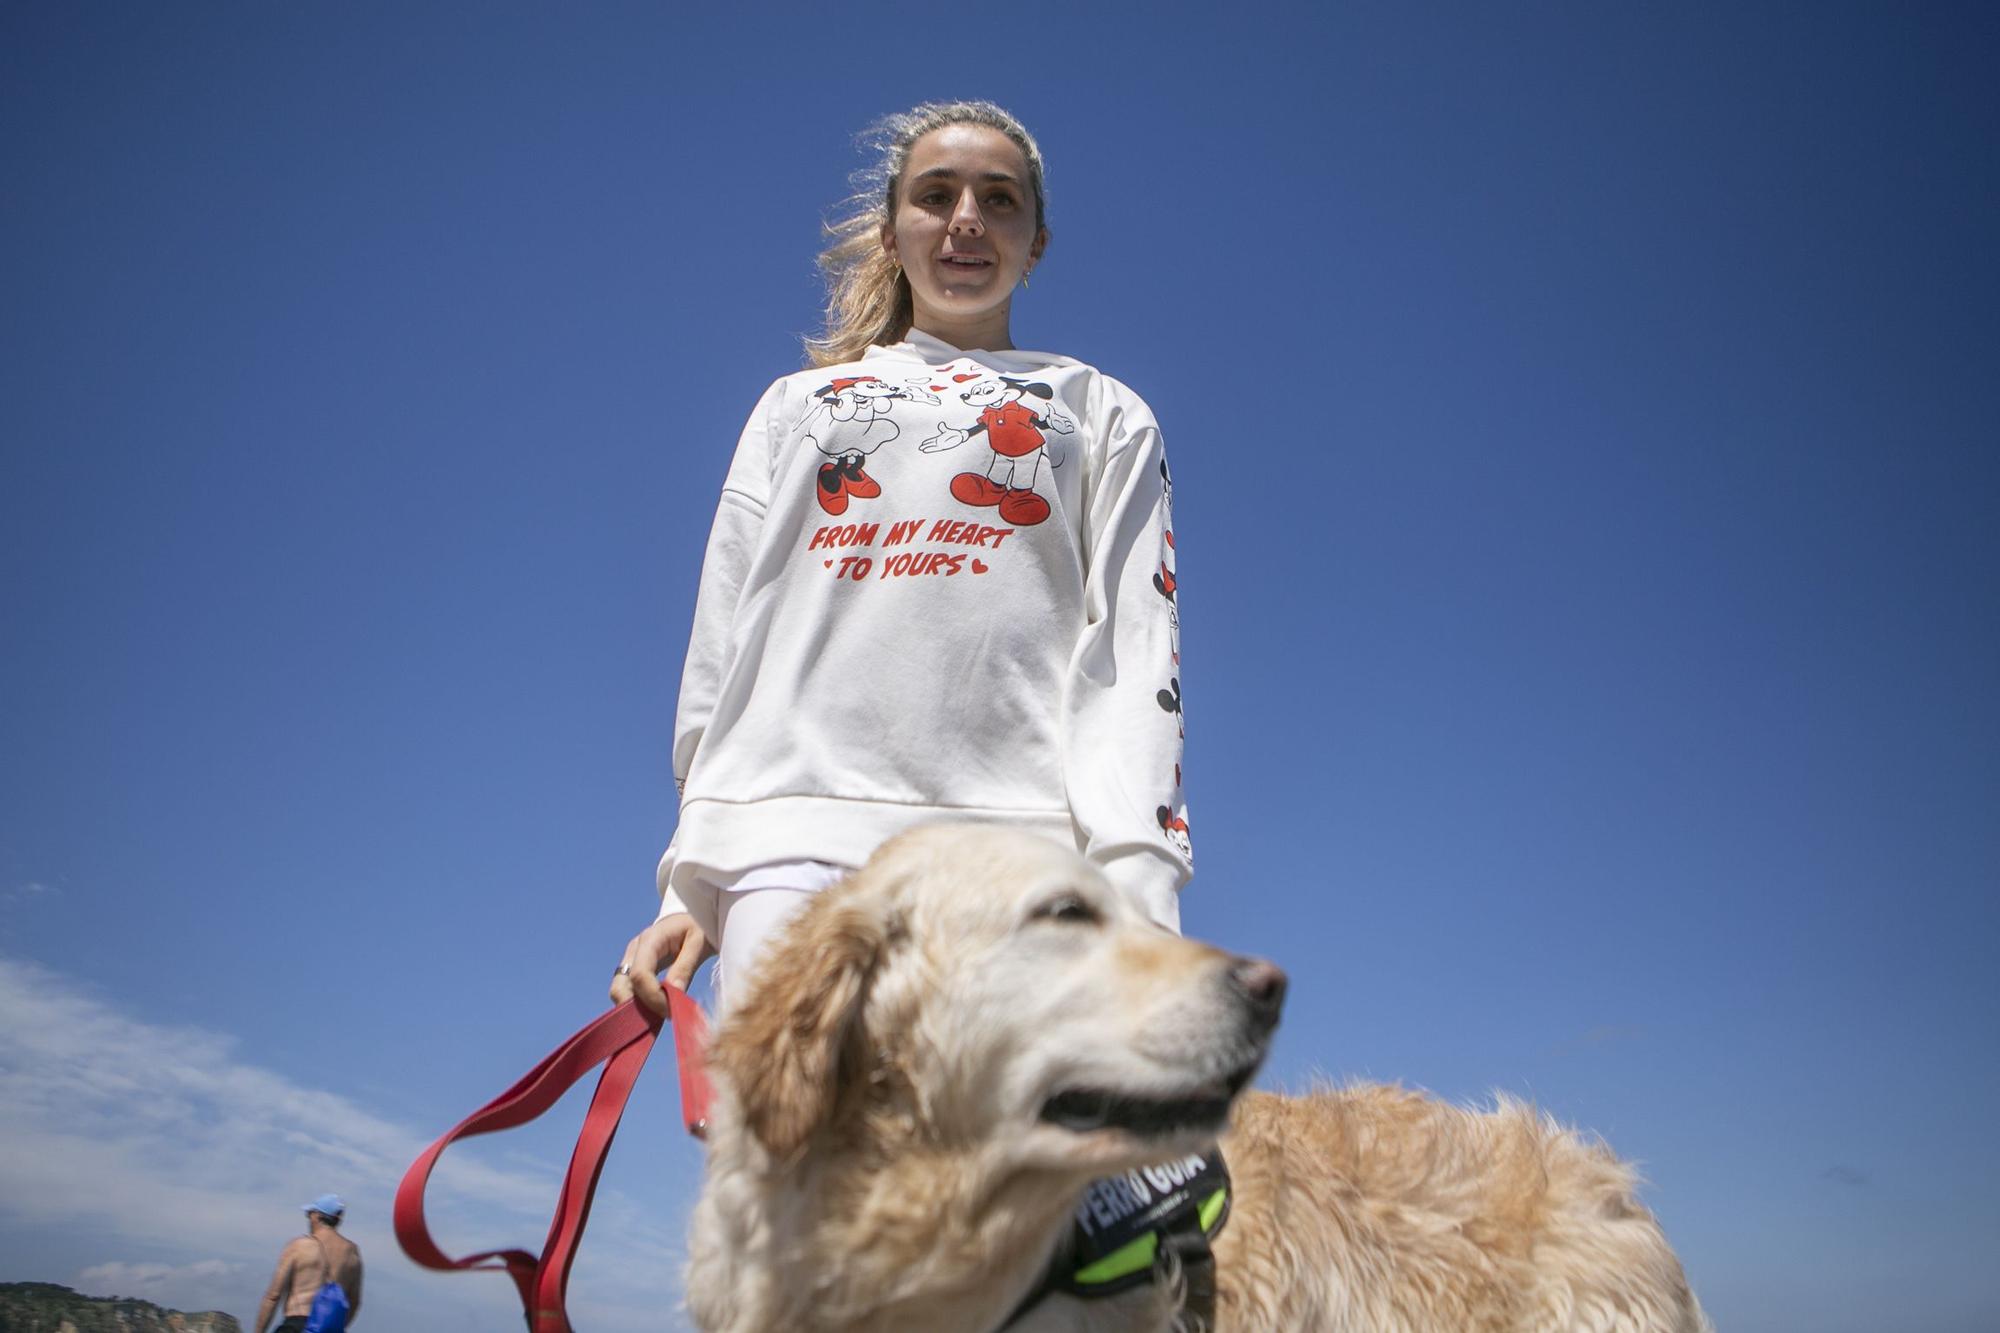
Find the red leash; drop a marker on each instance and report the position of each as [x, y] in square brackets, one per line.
[620, 1040]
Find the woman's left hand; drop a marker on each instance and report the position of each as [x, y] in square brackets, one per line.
[674, 942]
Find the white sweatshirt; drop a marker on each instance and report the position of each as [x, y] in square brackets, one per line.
[939, 586]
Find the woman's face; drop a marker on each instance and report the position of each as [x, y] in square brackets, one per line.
[962, 225]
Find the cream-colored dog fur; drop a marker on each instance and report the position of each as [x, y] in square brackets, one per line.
[880, 1158]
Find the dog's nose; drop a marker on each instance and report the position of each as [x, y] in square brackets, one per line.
[1262, 985]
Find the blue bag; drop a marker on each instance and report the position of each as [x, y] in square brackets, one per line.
[329, 1307]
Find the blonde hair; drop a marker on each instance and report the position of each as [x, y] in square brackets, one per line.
[867, 296]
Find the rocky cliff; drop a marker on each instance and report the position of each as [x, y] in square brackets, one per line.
[43, 1307]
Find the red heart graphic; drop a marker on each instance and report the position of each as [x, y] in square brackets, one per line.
[827, 563]
[978, 565]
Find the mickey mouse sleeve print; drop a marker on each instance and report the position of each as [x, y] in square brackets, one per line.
[1122, 708]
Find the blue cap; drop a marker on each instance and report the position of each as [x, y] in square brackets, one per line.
[330, 1204]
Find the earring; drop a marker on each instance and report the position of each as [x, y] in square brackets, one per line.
[1025, 275]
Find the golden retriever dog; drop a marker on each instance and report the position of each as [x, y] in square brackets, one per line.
[938, 1057]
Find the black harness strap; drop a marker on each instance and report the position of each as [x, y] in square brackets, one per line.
[1197, 1275]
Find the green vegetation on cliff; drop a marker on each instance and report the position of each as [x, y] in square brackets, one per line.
[44, 1307]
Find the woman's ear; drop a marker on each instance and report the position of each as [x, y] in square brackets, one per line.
[1040, 246]
[889, 243]
[784, 1047]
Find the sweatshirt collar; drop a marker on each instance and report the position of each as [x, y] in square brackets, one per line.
[935, 351]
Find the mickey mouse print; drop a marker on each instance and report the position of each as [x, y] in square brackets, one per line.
[1014, 415]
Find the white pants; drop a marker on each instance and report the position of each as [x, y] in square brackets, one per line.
[741, 916]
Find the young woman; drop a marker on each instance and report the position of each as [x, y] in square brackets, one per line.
[940, 583]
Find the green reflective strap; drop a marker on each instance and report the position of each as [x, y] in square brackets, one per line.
[1211, 1208]
[1124, 1261]
[1134, 1256]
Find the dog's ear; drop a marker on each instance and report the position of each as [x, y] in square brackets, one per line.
[784, 1046]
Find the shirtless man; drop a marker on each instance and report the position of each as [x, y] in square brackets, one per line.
[303, 1269]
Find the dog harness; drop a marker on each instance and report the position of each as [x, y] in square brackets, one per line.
[1127, 1224]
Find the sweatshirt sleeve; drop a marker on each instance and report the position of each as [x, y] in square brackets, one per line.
[732, 544]
[1122, 710]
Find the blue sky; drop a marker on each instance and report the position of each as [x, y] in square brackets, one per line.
[1583, 423]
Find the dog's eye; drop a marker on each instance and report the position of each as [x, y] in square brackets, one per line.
[1067, 907]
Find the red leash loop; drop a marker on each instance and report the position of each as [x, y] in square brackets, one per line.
[619, 1040]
